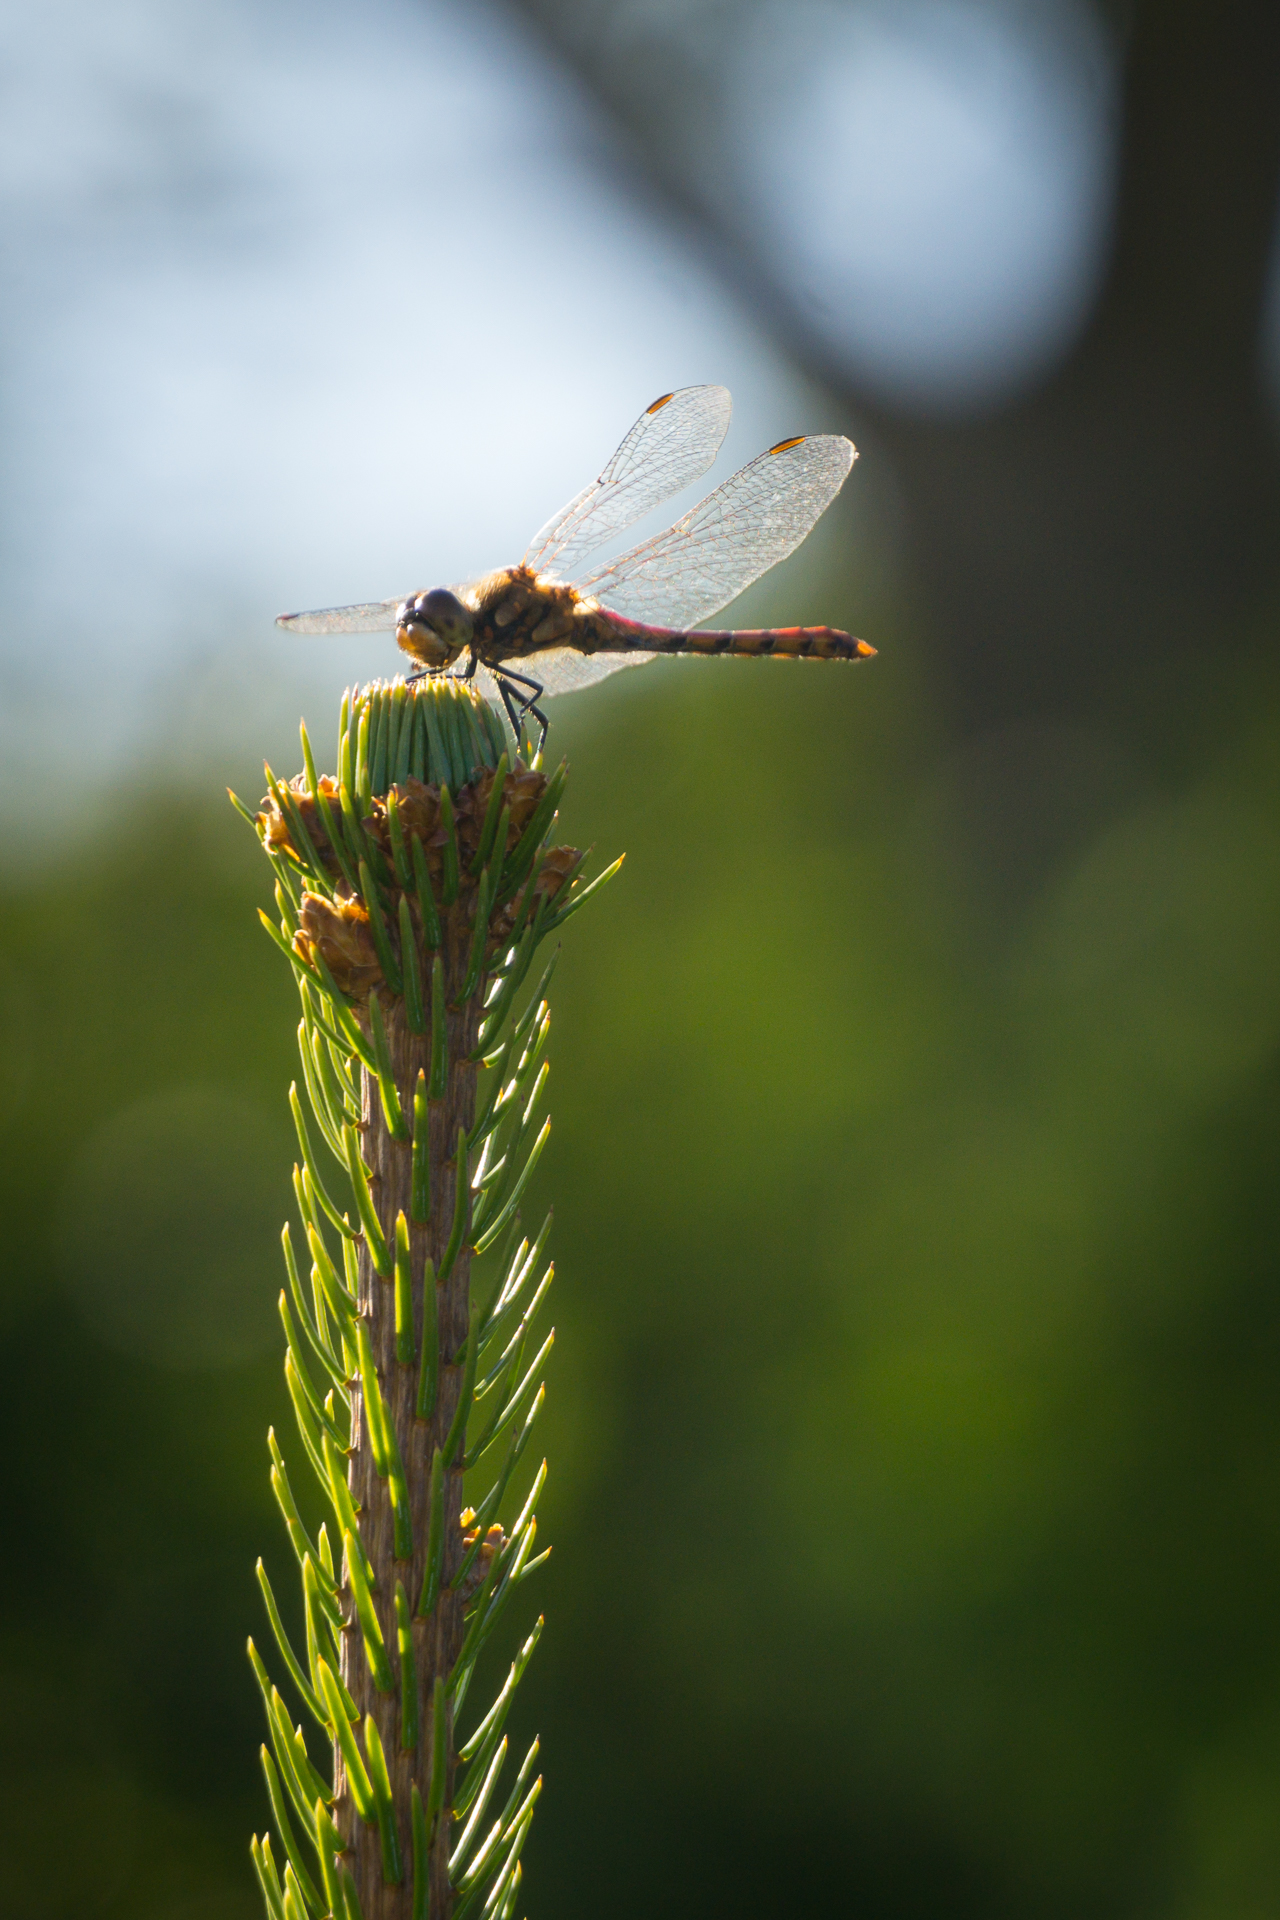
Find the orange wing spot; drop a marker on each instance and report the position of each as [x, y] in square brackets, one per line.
[661, 401]
[784, 444]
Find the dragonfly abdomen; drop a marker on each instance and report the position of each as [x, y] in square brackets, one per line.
[788, 643]
[793, 643]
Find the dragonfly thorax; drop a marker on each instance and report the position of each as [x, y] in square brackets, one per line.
[434, 627]
[504, 615]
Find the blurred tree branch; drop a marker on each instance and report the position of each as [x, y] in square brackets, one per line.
[1093, 530]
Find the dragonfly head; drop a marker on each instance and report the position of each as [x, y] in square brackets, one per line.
[434, 627]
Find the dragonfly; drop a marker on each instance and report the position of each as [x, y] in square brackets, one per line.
[547, 627]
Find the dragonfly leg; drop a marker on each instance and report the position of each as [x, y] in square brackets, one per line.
[528, 703]
[522, 680]
[509, 704]
[532, 707]
[433, 673]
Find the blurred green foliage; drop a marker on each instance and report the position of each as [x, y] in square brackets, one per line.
[914, 1423]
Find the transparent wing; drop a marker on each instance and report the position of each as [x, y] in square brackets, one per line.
[673, 442]
[562, 670]
[371, 616]
[680, 577]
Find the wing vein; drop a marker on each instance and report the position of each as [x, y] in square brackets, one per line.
[760, 515]
[672, 443]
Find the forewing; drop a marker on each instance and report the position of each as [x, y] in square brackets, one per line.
[371, 616]
[759, 516]
[673, 442]
[562, 670]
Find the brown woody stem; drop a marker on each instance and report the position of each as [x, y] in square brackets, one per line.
[438, 1639]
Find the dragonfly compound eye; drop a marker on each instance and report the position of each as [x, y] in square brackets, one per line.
[434, 627]
[444, 612]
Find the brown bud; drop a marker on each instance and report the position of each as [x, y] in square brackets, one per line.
[339, 932]
[559, 862]
[275, 832]
[276, 826]
[524, 790]
[494, 1541]
[557, 866]
[469, 804]
[376, 828]
[419, 807]
[521, 791]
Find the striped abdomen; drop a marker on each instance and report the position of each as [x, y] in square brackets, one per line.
[789, 643]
